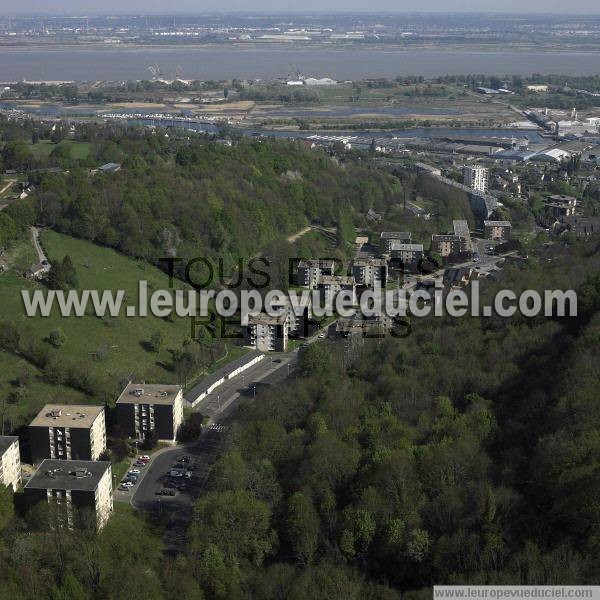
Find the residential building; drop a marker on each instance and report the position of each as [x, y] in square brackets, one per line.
[370, 272]
[476, 178]
[447, 245]
[37, 272]
[582, 226]
[461, 229]
[497, 230]
[388, 237]
[10, 461]
[267, 333]
[66, 431]
[71, 488]
[332, 285]
[144, 410]
[297, 309]
[309, 271]
[459, 277]
[561, 206]
[408, 254]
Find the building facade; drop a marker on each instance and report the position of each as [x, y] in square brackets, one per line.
[144, 410]
[389, 237]
[497, 230]
[370, 272]
[447, 245]
[477, 178]
[561, 206]
[267, 333]
[331, 285]
[309, 272]
[10, 462]
[71, 488]
[68, 432]
[408, 254]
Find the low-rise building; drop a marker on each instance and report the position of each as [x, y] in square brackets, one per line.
[65, 431]
[10, 461]
[144, 410]
[389, 237]
[497, 230]
[71, 488]
[370, 272]
[267, 333]
[309, 271]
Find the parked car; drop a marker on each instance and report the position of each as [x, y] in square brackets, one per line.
[124, 487]
[139, 465]
[184, 459]
[126, 484]
[175, 473]
[188, 475]
[144, 458]
[134, 471]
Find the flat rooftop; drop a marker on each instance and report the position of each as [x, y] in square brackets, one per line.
[67, 415]
[6, 441]
[396, 235]
[267, 319]
[81, 475]
[144, 393]
[496, 224]
[336, 280]
[408, 247]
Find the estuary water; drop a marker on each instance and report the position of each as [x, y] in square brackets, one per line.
[275, 60]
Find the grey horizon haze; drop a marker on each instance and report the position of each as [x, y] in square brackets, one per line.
[82, 7]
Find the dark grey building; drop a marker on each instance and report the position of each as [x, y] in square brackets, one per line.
[67, 432]
[69, 486]
[146, 409]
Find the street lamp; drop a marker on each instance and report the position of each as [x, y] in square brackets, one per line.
[254, 389]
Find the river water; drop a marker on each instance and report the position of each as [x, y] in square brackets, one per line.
[275, 60]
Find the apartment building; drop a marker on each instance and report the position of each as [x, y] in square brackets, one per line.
[268, 333]
[298, 310]
[461, 229]
[497, 230]
[72, 488]
[408, 254]
[446, 245]
[331, 285]
[561, 206]
[387, 237]
[370, 272]
[66, 432]
[144, 410]
[309, 272]
[10, 461]
[477, 178]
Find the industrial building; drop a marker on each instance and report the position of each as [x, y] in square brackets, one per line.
[66, 432]
[71, 488]
[144, 410]
[10, 462]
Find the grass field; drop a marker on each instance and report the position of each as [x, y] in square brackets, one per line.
[78, 150]
[114, 349]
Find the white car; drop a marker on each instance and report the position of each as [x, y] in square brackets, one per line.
[127, 484]
[134, 472]
[144, 457]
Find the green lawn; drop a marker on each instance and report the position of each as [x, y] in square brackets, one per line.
[78, 150]
[113, 349]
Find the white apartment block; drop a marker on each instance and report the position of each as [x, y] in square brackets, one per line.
[477, 178]
[10, 461]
